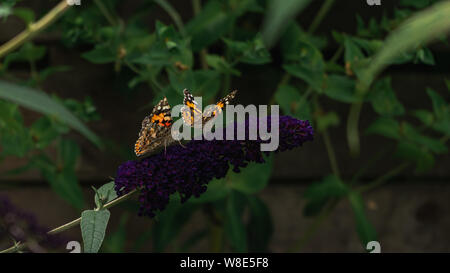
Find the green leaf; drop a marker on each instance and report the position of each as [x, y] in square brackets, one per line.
[41, 102]
[292, 102]
[28, 52]
[62, 180]
[410, 151]
[440, 106]
[294, 36]
[340, 88]
[260, 226]
[206, 83]
[93, 226]
[330, 186]
[66, 185]
[386, 127]
[209, 25]
[384, 100]
[250, 52]
[353, 56]
[106, 192]
[364, 228]
[329, 119]
[431, 144]
[69, 152]
[318, 194]
[219, 63]
[234, 225]
[308, 65]
[25, 14]
[425, 116]
[5, 11]
[15, 138]
[424, 55]
[278, 15]
[419, 29]
[253, 178]
[442, 126]
[447, 83]
[101, 54]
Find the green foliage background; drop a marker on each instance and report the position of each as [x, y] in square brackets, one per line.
[178, 55]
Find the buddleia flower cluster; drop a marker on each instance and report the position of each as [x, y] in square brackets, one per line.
[187, 169]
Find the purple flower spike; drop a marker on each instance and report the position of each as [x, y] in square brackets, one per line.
[22, 226]
[187, 170]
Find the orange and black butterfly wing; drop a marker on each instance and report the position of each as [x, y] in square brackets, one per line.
[155, 129]
[217, 109]
[191, 112]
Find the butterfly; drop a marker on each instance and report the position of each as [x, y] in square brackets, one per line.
[155, 129]
[192, 114]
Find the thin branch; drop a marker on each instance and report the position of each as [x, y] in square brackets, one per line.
[34, 28]
[324, 9]
[384, 178]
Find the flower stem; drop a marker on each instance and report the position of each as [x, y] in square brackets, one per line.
[173, 13]
[197, 7]
[104, 10]
[331, 153]
[384, 178]
[352, 128]
[324, 9]
[34, 28]
[327, 140]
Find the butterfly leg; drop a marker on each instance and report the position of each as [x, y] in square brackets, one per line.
[165, 147]
[181, 144]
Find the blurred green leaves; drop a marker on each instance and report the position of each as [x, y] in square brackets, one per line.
[250, 52]
[41, 102]
[204, 56]
[260, 226]
[234, 226]
[209, 25]
[384, 100]
[307, 65]
[319, 193]
[253, 178]
[364, 228]
[169, 223]
[292, 102]
[61, 174]
[420, 29]
[278, 15]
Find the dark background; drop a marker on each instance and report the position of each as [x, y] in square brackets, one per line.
[410, 214]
